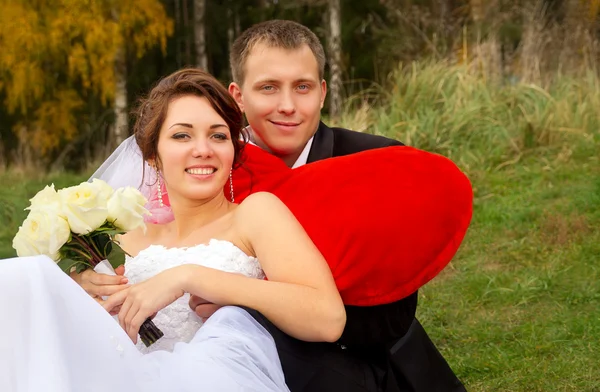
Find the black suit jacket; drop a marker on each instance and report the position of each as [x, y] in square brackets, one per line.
[365, 326]
[383, 348]
[335, 142]
[388, 336]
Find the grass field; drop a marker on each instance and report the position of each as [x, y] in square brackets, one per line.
[518, 307]
[517, 310]
[15, 192]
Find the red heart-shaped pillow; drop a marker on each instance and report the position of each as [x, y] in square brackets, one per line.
[387, 221]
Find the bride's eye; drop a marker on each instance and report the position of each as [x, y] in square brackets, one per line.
[178, 136]
[220, 136]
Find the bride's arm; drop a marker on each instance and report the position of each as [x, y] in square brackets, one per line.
[300, 296]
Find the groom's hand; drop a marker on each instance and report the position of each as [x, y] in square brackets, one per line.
[99, 285]
[202, 307]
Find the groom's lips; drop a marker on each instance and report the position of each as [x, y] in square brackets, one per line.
[286, 126]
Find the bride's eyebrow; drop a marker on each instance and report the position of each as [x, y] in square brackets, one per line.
[186, 125]
[182, 124]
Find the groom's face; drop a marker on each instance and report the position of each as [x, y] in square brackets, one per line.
[282, 96]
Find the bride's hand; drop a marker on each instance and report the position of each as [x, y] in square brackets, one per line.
[142, 300]
[203, 308]
[98, 285]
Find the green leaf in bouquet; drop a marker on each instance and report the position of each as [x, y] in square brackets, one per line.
[75, 251]
[102, 244]
[107, 228]
[80, 267]
[116, 256]
[113, 232]
[67, 264]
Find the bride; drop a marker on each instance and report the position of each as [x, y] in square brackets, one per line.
[57, 338]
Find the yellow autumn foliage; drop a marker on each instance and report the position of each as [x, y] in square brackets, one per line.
[594, 8]
[55, 53]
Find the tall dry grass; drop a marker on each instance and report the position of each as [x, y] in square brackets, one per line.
[456, 111]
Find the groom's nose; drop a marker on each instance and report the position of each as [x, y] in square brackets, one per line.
[286, 105]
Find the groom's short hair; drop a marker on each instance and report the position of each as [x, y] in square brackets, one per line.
[284, 34]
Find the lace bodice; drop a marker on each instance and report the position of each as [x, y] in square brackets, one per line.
[177, 321]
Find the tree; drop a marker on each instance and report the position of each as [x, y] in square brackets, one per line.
[60, 55]
[334, 44]
[199, 34]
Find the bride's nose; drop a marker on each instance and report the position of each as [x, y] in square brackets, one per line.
[202, 148]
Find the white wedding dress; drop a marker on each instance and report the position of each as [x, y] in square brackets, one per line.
[54, 337]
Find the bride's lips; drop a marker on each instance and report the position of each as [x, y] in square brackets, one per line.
[286, 126]
[201, 172]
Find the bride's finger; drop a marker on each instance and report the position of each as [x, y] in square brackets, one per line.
[115, 300]
[136, 323]
[115, 311]
[110, 290]
[133, 310]
[103, 280]
[125, 307]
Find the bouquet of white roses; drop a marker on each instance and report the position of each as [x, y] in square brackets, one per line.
[77, 226]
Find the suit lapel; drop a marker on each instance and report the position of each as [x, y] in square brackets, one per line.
[322, 146]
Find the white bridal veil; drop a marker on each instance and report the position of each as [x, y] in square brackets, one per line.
[126, 167]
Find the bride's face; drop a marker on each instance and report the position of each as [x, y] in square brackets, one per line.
[194, 149]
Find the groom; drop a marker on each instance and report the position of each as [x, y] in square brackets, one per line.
[278, 81]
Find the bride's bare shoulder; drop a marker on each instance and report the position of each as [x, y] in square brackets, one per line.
[260, 201]
[260, 206]
[136, 240]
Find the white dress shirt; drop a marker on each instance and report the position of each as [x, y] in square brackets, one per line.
[304, 154]
[302, 158]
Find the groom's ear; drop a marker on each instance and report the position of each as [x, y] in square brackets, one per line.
[323, 92]
[236, 93]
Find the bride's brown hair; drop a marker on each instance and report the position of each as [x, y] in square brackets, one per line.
[152, 110]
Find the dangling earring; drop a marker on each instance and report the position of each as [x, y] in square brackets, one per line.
[159, 190]
[231, 184]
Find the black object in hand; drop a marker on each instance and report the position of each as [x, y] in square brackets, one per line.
[149, 332]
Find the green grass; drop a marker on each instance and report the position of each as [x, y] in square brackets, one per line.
[517, 310]
[518, 307]
[15, 192]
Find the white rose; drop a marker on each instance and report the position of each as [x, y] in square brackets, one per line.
[42, 232]
[47, 199]
[126, 209]
[103, 188]
[84, 206]
[24, 245]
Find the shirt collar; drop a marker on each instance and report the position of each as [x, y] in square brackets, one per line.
[302, 158]
[304, 154]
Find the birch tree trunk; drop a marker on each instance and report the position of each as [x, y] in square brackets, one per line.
[200, 34]
[120, 104]
[119, 130]
[335, 58]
